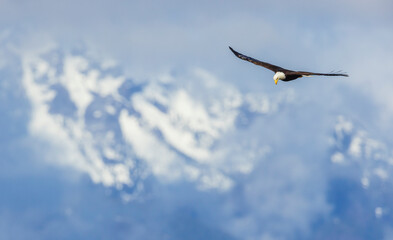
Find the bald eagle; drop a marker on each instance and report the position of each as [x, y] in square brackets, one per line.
[282, 73]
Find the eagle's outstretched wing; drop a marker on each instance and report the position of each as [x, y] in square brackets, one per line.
[319, 74]
[269, 66]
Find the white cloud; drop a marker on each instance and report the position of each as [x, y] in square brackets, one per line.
[378, 212]
[354, 147]
[173, 125]
[177, 132]
[337, 158]
[72, 145]
[163, 162]
[79, 85]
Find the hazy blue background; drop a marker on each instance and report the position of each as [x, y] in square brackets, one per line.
[133, 120]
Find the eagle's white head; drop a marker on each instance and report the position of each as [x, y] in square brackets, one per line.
[278, 76]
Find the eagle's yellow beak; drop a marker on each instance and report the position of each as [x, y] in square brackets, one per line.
[276, 81]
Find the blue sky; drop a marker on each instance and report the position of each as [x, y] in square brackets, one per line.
[133, 120]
